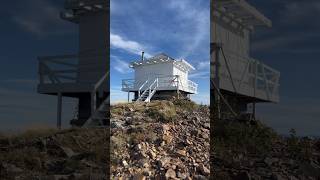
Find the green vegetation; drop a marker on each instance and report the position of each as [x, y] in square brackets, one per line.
[242, 137]
[234, 137]
[299, 148]
[186, 105]
[33, 149]
[163, 111]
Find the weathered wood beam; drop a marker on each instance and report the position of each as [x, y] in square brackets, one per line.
[241, 7]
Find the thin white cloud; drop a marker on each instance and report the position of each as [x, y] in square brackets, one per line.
[41, 18]
[282, 43]
[20, 108]
[21, 81]
[118, 96]
[198, 19]
[201, 98]
[203, 65]
[300, 11]
[118, 42]
[121, 66]
[200, 75]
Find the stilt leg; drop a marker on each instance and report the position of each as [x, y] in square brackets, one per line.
[59, 110]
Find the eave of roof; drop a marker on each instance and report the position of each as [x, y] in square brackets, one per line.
[166, 59]
[240, 12]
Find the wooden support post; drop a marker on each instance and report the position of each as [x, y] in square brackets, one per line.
[93, 102]
[59, 110]
[128, 96]
[177, 77]
[216, 47]
[254, 111]
[255, 89]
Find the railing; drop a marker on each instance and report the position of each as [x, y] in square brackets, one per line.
[152, 88]
[142, 86]
[249, 76]
[98, 89]
[164, 82]
[192, 86]
[128, 83]
[58, 69]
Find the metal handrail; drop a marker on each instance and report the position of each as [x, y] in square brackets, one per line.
[64, 71]
[95, 90]
[255, 74]
[163, 82]
[152, 91]
[139, 91]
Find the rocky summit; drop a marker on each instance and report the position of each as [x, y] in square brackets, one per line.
[251, 151]
[160, 140]
[48, 154]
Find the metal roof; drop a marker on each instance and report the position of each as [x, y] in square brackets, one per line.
[76, 8]
[85, 4]
[241, 12]
[163, 58]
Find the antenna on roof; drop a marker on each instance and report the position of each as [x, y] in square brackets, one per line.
[142, 56]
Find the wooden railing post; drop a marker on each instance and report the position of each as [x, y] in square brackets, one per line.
[93, 102]
[59, 110]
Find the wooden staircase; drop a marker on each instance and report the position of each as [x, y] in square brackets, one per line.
[147, 94]
[100, 115]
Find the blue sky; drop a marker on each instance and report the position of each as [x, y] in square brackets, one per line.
[292, 46]
[30, 29]
[179, 28]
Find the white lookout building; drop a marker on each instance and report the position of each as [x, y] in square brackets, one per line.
[159, 77]
[85, 74]
[237, 78]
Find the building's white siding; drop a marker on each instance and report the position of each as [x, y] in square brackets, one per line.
[142, 73]
[93, 38]
[183, 77]
[243, 77]
[233, 40]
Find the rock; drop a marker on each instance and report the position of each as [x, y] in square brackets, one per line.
[143, 163]
[146, 172]
[68, 152]
[163, 147]
[182, 152]
[244, 175]
[170, 173]
[124, 163]
[206, 125]
[152, 154]
[163, 161]
[165, 128]
[89, 163]
[204, 170]
[12, 169]
[200, 177]
[116, 124]
[139, 176]
[167, 138]
[54, 166]
[181, 175]
[276, 176]
[57, 177]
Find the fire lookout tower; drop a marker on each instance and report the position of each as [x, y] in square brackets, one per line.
[237, 79]
[84, 75]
